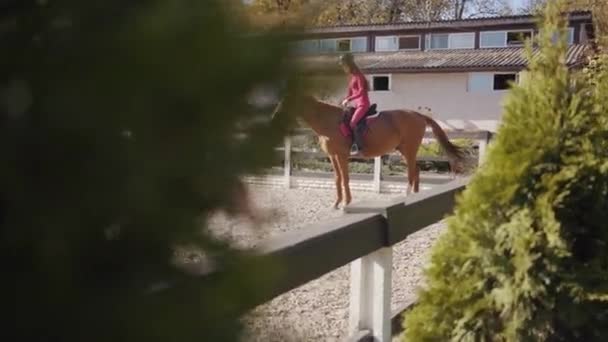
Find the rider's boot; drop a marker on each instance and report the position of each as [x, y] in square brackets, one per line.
[358, 141]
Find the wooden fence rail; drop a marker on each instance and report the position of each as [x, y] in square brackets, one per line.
[365, 235]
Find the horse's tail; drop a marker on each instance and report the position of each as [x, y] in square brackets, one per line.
[451, 149]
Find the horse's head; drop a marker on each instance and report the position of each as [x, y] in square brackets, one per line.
[283, 115]
[278, 111]
[293, 106]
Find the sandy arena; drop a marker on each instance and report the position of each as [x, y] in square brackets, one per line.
[317, 311]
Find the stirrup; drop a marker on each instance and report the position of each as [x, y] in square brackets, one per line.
[354, 150]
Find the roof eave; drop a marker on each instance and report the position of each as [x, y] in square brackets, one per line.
[451, 70]
[442, 70]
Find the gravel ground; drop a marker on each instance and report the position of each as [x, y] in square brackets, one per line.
[317, 311]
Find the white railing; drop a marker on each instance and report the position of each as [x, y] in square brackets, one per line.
[481, 138]
[365, 234]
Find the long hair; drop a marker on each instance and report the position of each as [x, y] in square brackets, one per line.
[353, 69]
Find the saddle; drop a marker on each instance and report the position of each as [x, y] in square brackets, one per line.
[361, 125]
[349, 111]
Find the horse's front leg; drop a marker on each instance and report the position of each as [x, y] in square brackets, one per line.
[343, 164]
[338, 176]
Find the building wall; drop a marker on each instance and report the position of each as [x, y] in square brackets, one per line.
[446, 94]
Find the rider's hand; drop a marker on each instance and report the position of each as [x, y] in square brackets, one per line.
[344, 103]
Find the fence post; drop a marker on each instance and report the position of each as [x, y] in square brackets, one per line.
[370, 294]
[287, 164]
[377, 174]
[483, 145]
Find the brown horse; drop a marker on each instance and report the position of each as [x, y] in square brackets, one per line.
[402, 130]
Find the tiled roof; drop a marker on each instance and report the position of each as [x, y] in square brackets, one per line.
[454, 24]
[441, 60]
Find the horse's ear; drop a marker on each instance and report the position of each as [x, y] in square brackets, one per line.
[277, 109]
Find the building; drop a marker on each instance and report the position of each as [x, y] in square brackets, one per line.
[460, 69]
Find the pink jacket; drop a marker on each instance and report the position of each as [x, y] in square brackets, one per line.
[356, 90]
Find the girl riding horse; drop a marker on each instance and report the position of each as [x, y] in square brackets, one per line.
[358, 88]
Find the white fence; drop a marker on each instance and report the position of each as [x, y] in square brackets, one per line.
[365, 235]
[377, 183]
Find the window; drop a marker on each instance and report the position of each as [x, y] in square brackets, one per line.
[569, 37]
[439, 41]
[381, 83]
[462, 40]
[492, 39]
[389, 43]
[394, 43]
[306, 47]
[451, 41]
[386, 43]
[587, 32]
[488, 82]
[503, 81]
[518, 38]
[358, 44]
[327, 45]
[343, 45]
[409, 43]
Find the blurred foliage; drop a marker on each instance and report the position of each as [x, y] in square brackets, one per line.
[118, 137]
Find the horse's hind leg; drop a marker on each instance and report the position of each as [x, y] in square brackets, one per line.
[411, 175]
[417, 179]
[413, 172]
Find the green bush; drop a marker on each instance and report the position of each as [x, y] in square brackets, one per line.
[118, 122]
[524, 257]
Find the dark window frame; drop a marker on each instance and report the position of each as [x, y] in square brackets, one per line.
[527, 34]
[385, 85]
[409, 36]
[502, 81]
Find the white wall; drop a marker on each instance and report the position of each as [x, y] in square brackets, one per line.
[447, 96]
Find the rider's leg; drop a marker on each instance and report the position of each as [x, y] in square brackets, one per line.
[360, 111]
[357, 116]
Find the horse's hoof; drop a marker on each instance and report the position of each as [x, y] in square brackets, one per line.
[336, 206]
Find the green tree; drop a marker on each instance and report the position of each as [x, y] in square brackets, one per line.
[118, 138]
[599, 10]
[532, 7]
[478, 8]
[394, 11]
[524, 256]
